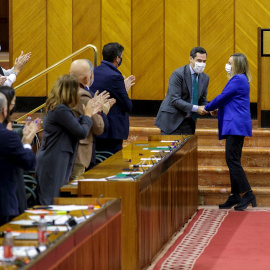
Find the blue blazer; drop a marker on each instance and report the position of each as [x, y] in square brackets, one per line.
[12, 156]
[234, 108]
[108, 77]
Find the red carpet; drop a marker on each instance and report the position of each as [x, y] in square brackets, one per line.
[222, 240]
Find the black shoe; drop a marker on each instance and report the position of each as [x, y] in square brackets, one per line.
[248, 198]
[231, 201]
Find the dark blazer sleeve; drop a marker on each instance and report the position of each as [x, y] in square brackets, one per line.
[179, 92]
[66, 118]
[17, 154]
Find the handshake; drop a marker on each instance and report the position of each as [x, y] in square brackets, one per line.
[202, 111]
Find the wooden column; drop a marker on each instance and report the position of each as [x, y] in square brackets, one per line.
[263, 78]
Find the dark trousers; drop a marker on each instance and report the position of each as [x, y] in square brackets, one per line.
[187, 127]
[109, 145]
[239, 182]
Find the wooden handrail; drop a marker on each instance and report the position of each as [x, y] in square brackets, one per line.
[45, 71]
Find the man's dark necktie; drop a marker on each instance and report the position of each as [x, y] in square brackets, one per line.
[195, 95]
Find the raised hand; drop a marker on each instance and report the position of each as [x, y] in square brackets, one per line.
[2, 80]
[129, 81]
[29, 132]
[21, 61]
[103, 97]
[92, 107]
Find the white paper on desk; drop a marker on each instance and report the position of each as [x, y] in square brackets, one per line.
[58, 219]
[38, 211]
[141, 165]
[21, 251]
[58, 228]
[128, 173]
[22, 222]
[90, 179]
[68, 207]
[81, 219]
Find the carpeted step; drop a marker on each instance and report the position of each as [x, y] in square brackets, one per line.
[209, 137]
[251, 156]
[219, 176]
[214, 195]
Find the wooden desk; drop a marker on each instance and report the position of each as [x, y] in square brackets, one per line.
[93, 244]
[156, 205]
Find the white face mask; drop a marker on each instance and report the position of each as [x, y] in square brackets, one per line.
[199, 67]
[228, 68]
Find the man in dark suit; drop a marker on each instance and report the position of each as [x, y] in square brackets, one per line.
[186, 96]
[13, 154]
[108, 77]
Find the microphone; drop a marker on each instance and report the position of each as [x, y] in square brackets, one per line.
[98, 202]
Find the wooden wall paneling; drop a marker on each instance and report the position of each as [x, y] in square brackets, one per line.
[217, 37]
[28, 34]
[87, 27]
[148, 49]
[265, 83]
[247, 18]
[116, 27]
[59, 37]
[180, 34]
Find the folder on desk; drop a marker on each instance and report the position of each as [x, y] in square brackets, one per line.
[123, 177]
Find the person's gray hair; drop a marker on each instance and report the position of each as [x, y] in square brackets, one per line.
[3, 102]
[90, 64]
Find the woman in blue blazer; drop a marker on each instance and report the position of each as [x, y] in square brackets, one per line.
[234, 123]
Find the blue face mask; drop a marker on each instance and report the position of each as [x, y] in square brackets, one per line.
[120, 62]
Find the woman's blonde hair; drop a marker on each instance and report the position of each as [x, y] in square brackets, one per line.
[64, 91]
[240, 65]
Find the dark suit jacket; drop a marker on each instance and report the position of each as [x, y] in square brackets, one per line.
[55, 158]
[12, 157]
[234, 108]
[177, 103]
[108, 77]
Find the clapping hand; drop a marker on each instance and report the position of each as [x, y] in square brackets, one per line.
[29, 132]
[129, 81]
[92, 107]
[2, 80]
[21, 61]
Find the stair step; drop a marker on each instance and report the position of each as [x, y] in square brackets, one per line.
[251, 156]
[219, 176]
[209, 137]
[212, 195]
